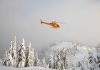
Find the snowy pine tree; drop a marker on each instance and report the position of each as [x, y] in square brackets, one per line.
[58, 59]
[37, 60]
[8, 59]
[98, 56]
[91, 62]
[44, 62]
[21, 55]
[30, 59]
[14, 52]
[51, 61]
[0, 61]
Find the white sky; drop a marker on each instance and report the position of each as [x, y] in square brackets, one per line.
[22, 18]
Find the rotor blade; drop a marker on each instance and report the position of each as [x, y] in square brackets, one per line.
[61, 22]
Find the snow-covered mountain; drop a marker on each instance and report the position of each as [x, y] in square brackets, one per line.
[73, 48]
[78, 57]
[60, 56]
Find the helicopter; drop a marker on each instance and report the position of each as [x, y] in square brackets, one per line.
[53, 24]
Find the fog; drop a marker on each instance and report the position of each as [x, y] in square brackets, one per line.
[79, 21]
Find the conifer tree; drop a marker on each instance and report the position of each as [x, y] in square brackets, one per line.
[37, 60]
[51, 62]
[30, 59]
[98, 56]
[44, 62]
[14, 52]
[21, 55]
[8, 59]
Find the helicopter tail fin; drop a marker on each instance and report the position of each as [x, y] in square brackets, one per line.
[41, 21]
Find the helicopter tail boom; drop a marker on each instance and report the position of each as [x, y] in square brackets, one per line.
[41, 21]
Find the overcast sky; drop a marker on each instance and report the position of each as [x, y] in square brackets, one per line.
[81, 20]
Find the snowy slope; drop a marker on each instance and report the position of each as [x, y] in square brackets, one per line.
[27, 68]
[74, 48]
[77, 54]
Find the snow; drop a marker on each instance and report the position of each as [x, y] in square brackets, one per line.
[59, 56]
[77, 53]
[25, 68]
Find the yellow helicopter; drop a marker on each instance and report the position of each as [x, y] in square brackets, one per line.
[53, 24]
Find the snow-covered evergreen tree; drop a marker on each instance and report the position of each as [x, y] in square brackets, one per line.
[30, 58]
[21, 55]
[44, 62]
[91, 62]
[14, 52]
[64, 58]
[8, 59]
[51, 61]
[98, 56]
[5, 62]
[37, 60]
[0, 61]
[58, 59]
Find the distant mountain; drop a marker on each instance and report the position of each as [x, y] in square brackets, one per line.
[78, 56]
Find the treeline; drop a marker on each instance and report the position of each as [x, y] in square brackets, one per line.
[25, 56]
